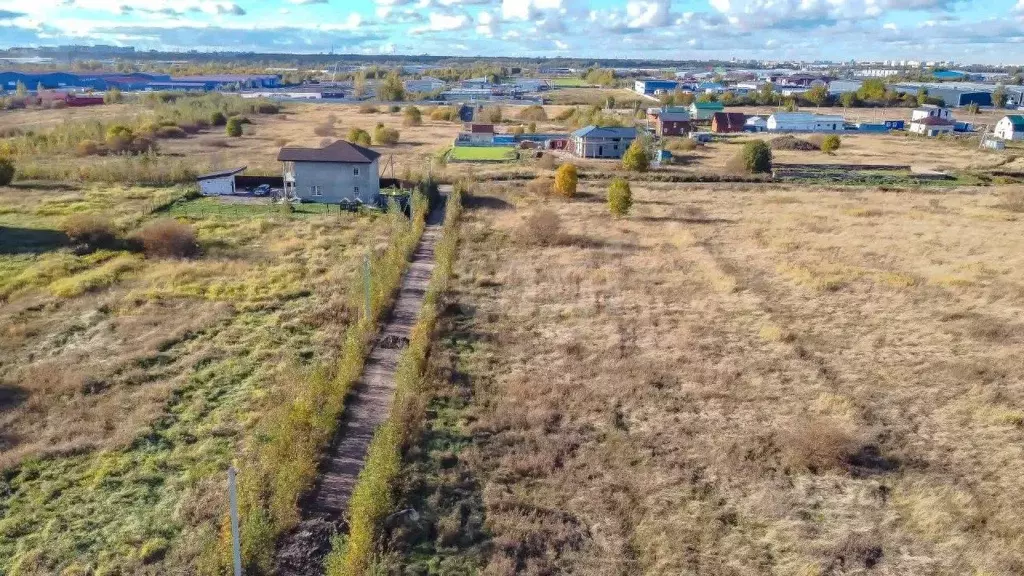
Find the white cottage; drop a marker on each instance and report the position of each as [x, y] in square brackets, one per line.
[1010, 127]
[804, 122]
[218, 183]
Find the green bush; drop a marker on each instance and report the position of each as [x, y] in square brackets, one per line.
[831, 143]
[218, 119]
[620, 197]
[636, 159]
[384, 136]
[757, 157]
[233, 127]
[6, 171]
[358, 136]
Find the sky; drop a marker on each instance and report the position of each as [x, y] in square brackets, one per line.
[963, 31]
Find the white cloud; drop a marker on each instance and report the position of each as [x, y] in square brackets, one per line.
[486, 24]
[529, 9]
[648, 13]
[438, 22]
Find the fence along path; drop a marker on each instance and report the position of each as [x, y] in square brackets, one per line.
[303, 550]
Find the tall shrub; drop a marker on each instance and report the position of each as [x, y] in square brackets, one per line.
[6, 171]
[635, 158]
[620, 197]
[757, 157]
[234, 127]
[831, 143]
[566, 179]
[412, 116]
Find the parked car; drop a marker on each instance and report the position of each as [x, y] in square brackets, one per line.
[261, 190]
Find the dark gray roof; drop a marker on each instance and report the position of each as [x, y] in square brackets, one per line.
[340, 151]
[228, 172]
[605, 132]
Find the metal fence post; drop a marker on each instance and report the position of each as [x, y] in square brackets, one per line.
[236, 547]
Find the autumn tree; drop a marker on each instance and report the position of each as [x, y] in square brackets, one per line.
[566, 179]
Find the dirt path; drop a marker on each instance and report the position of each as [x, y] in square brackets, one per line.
[302, 551]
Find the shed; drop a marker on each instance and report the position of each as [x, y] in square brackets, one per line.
[220, 183]
[1010, 127]
[728, 122]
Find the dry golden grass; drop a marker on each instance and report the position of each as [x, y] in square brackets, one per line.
[735, 382]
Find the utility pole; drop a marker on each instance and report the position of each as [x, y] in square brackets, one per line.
[236, 547]
[366, 284]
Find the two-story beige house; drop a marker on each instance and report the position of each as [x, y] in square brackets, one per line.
[338, 172]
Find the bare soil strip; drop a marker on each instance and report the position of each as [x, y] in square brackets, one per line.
[303, 550]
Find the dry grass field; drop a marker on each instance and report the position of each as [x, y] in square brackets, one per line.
[732, 380]
[129, 381]
[752, 378]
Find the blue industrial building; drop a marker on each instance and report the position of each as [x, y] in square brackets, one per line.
[132, 81]
[652, 86]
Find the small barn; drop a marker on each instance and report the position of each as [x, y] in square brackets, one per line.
[218, 183]
[1010, 127]
[728, 122]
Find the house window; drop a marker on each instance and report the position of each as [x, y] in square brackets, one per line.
[356, 190]
[315, 191]
[355, 171]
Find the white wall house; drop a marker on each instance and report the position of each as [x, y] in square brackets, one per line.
[932, 111]
[931, 126]
[1010, 127]
[804, 122]
[218, 183]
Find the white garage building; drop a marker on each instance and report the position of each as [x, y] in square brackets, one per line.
[218, 183]
[804, 122]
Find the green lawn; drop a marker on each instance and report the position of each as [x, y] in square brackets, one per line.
[483, 153]
[568, 82]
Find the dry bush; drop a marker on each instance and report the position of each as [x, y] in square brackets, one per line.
[88, 148]
[1013, 200]
[170, 132]
[790, 142]
[533, 113]
[680, 144]
[325, 129]
[541, 228]
[89, 229]
[540, 186]
[816, 444]
[218, 143]
[368, 109]
[168, 238]
[547, 161]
